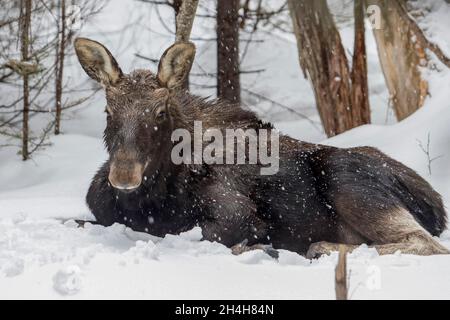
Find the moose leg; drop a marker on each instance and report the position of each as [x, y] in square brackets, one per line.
[243, 247]
[102, 200]
[418, 244]
[235, 225]
[396, 230]
[82, 223]
[233, 221]
[319, 249]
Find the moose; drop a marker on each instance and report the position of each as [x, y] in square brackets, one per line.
[320, 198]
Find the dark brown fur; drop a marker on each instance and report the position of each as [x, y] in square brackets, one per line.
[321, 194]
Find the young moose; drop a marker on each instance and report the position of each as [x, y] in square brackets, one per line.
[321, 196]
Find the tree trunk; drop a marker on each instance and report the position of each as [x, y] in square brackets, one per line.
[401, 56]
[25, 45]
[60, 54]
[360, 86]
[323, 60]
[184, 15]
[185, 19]
[228, 78]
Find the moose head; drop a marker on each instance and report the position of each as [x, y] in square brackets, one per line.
[140, 110]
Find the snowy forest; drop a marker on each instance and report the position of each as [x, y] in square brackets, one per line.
[334, 73]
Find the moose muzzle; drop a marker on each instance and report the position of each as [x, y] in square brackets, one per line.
[125, 173]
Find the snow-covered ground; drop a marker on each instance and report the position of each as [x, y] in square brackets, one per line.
[44, 255]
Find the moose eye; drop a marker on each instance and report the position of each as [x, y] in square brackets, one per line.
[161, 114]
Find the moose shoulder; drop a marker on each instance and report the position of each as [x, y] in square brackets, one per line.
[319, 197]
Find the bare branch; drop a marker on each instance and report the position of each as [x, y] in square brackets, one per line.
[427, 151]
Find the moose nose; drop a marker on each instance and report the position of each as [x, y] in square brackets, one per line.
[126, 177]
[127, 188]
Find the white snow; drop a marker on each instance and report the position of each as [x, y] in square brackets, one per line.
[44, 255]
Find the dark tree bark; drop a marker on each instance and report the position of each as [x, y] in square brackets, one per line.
[25, 18]
[176, 7]
[360, 85]
[323, 60]
[228, 77]
[59, 70]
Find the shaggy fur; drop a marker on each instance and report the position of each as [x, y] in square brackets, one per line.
[321, 194]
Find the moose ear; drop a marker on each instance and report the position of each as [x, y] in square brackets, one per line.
[175, 65]
[97, 61]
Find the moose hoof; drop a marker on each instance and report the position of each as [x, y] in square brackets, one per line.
[316, 250]
[242, 247]
[269, 250]
[82, 223]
